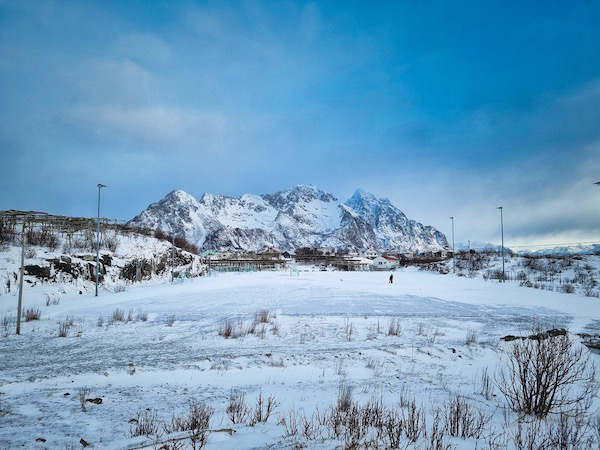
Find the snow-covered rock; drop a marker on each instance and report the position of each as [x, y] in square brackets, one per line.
[303, 216]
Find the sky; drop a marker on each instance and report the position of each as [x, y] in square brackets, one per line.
[446, 108]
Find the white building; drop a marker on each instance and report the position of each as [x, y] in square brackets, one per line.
[372, 254]
[385, 263]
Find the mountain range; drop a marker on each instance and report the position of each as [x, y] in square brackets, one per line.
[303, 216]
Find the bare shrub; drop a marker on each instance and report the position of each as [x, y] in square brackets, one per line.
[471, 337]
[129, 315]
[233, 330]
[485, 385]
[462, 420]
[111, 243]
[100, 322]
[568, 288]
[51, 299]
[84, 393]
[263, 409]
[32, 314]
[394, 328]
[119, 288]
[118, 315]
[570, 432]
[170, 320]
[237, 410]
[141, 315]
[63, 328]
[7, 322]
[263, 316]
[290, 423]
[546, 375]
[344, 397]
[348, 330]
[145, 424]
[196, 423]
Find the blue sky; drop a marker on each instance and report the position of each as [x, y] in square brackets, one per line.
[446, 108]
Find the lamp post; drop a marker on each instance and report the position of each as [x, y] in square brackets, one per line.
[453, 257]
[100, 186]
[502, 232]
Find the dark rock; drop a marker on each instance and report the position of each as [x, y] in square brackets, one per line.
[40, 440]
[106, 260]
[84, 443]
[96, 400]
[453, 349]
[133, 421]
[38, 271]
[66, 394]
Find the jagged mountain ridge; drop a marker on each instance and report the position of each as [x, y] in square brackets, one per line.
[303, 216]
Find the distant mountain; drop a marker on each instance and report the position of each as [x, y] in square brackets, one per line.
[303, 216]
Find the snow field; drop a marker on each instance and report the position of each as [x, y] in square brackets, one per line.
[389, 342]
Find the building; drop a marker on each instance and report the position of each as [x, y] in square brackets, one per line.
[371, 254]
[385, 262]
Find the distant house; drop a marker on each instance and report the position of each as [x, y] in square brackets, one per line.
[327, 251]
[286, 255]
[371, 254]
[271, 252]
[385, 262]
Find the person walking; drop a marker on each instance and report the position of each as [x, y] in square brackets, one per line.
[392, 278]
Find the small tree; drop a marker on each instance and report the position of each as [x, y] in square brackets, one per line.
[545, 375]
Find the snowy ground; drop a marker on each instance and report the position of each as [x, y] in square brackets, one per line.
[327, 327]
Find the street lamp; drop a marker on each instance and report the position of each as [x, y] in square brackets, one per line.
[502, 232]
[453, 257]
[100, 186]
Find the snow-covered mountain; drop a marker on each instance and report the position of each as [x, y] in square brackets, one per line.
[303, 216]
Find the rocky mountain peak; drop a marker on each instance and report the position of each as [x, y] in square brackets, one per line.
[302, 216]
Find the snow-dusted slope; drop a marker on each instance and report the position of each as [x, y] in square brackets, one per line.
[298, 217]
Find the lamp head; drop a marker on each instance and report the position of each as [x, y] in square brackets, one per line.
[100, 185]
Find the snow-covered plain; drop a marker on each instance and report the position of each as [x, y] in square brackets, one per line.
[326, 327]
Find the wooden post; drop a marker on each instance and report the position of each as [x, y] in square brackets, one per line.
[22, 272]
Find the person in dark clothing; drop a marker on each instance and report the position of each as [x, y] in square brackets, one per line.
[391, 278]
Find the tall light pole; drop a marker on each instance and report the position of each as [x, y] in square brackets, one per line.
[502, 232]
[453, 257]
[100, 186]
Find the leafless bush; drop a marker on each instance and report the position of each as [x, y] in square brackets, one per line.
[196, 423]
[263, 409]
[462, 420]
[7, 323]
[51, 299]
[237, 410]
[471, 337]
[170, 320]
[570, 432]
[63, 328]
[145, 424]
[111, 243]
[84, 393]
[530, 436]
[348, 330]
[100, 322]
[568, 288]
[141, 315]
[32, 314]
[485, 385]
[129, 315]
[263, 316]
[118, 315]
[233, 330]
[420, 329]
[394, 328]
[344, 397]
[119, 288]
[290, 423]
[546, 375]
